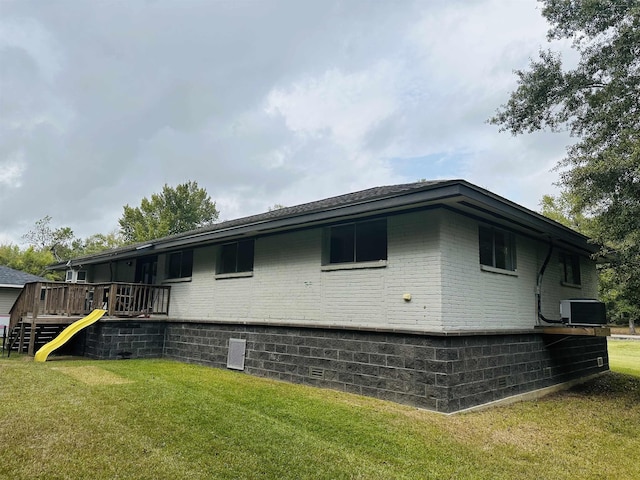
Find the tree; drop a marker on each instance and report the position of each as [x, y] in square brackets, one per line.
[174, 210]
[276, 206]
[598, 101]
[57, 241]
[29, 260]
[48, 245]
[97, 242]
[563, 209]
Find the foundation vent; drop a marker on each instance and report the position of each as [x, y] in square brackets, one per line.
[235, 357]
[502, 382]
[315, 372]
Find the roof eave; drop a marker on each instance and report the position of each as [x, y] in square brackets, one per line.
[445, 193]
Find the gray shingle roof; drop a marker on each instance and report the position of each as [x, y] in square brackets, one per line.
[458, 194]
[9, 276]
[287, 212]
[319, 205]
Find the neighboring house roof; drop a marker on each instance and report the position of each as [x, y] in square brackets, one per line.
[458, 195]
[11, 278]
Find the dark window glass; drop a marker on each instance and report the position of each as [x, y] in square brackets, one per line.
[236, 257]
[497, 248]
[371, 241]
[82, 275]
[180, 264]
[245, 256]
[228, 256]
[486, 246]
[342, 246]
[358, 242]
[570, 268]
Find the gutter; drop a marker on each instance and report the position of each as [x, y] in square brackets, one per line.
[452, 193]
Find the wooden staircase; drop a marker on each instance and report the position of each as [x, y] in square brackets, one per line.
[44, 333]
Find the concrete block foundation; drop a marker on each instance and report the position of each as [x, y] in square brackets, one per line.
[436, 372]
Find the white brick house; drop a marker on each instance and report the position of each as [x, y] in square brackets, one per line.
[444, 267]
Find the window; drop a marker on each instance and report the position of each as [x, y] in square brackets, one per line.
[497, 248]
[569, 268]
[74, 276]
[180, 264]
[358, 242]
[236, 257]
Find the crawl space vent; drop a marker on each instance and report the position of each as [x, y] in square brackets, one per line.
[235, 357]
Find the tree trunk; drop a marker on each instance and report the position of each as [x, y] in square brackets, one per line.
[632, 326]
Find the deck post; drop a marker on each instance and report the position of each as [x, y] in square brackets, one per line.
[21, 340]
[67, 294]
[32, 338]
[36, 301]
[112, 299]
[34, 315]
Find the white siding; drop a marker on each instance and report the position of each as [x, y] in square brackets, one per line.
[553, 291]
[288, 283]
[7, 298]
[432, 256]
[475, 299]
[415, 268]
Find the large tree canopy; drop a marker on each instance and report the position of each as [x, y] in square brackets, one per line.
[174, 210]
[598, 101]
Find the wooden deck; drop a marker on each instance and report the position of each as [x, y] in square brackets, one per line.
[58, 303]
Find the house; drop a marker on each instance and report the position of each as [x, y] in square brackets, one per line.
[436, 294]
[11, 283]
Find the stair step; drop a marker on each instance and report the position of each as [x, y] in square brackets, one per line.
[44, 334]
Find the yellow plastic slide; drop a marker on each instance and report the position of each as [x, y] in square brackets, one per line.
[67, 333]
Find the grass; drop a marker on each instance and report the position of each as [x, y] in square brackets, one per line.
[157, 419]
[624, 356]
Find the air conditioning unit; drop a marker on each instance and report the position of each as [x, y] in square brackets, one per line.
[583, 312]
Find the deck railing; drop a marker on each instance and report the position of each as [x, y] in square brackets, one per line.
[70, 299]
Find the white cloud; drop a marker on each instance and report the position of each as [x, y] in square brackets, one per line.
[260, 102]
[11, 171]
[342, 106]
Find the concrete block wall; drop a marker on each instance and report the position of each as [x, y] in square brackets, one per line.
[121, 339]
[389, 366]
[485, 368]
[439, 373]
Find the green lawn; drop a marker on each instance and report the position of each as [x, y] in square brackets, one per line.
[157, 419]
[624, 356]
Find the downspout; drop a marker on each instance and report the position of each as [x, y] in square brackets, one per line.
[539, 286]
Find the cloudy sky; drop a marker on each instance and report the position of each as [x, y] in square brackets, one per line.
[259, 101]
